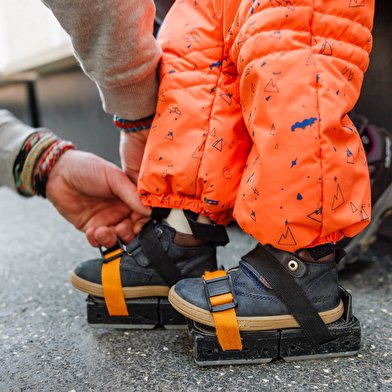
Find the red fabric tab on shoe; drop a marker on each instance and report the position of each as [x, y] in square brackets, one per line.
[111, 284]
[226, 325]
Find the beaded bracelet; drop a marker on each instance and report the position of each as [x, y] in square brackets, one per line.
[47, 162]
[133, 126]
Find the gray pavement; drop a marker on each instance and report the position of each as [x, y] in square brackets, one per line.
[46, 344]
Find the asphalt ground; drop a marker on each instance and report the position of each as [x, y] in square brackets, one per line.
[47, 345]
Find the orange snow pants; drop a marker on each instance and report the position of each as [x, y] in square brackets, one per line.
[251, 118]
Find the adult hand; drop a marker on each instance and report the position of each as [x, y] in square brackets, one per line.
[132, 146]
[95, 196]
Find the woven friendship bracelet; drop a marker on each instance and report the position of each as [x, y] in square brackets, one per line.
[47, 156]
[26, 176]
[52, 155]
[29, 143]
[47, 162]
[133, 126]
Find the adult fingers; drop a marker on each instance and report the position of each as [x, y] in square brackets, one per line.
[138, 222]
[124, 230]
[90, 236]
[106, 236]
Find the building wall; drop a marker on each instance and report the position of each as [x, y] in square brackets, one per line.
[29, 36]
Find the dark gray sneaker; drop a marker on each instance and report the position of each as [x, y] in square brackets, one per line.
[139, 278]
[377, 143]
[257, 306]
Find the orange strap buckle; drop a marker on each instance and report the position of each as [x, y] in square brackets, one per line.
[219, 291]
[111, 281]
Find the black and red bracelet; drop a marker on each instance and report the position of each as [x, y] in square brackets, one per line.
[133, 126]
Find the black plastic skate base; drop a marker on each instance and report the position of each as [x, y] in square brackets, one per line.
[144, 313]
[288, 344]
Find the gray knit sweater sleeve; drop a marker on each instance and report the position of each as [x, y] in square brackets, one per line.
[13, 134]
[114, 43]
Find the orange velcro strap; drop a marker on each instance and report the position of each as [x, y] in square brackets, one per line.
[226, 325]
[111, 284]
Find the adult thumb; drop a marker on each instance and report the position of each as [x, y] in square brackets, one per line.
[126, 190]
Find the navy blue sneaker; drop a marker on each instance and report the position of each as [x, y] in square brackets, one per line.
[139, 275]
[257, 306]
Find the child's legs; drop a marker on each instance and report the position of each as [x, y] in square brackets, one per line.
[198, 144]
[295, 190]
[306, 179]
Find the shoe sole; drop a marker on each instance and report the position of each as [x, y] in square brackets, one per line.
[143, 313]
[263, 323]
[129, 292]
[360, 243]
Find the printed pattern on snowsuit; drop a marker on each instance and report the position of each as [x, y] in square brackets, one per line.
[251, 118]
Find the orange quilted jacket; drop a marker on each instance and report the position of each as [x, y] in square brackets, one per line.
[251, 120]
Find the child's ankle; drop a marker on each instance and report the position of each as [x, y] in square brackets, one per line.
[184, 236]
[187, 240]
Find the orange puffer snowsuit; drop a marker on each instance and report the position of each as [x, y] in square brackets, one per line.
[251, 118]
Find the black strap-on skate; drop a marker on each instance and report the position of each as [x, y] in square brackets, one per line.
[291, 294]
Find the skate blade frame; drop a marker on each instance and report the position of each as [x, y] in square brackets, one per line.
[144, 313]
[288, 344]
